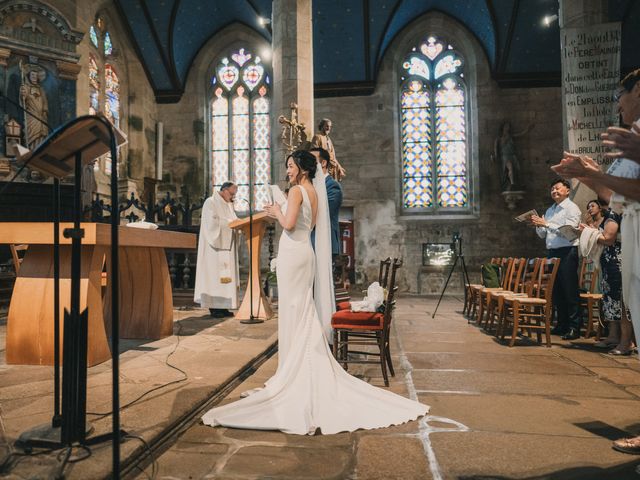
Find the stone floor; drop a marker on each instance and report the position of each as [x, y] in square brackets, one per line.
[161, 382]
[526, 412]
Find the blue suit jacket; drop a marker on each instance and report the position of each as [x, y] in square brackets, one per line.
[334, 195]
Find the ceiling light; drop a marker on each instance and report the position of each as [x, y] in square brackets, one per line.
[264, 21]
[547, 20]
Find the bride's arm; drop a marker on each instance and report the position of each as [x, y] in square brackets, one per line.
[288, 221]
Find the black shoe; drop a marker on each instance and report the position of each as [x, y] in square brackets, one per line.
[559, 330]
[572, 334]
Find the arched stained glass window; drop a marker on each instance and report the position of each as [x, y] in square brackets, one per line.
[240, 127]
[434, 129]
[104, 81]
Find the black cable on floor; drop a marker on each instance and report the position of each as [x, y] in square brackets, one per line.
[154, 463]
[173, 382]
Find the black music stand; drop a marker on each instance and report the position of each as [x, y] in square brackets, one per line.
[63, 152]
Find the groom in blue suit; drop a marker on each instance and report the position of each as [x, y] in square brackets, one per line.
[334, 195]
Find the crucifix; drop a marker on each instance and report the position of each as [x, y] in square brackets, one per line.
[293, 134]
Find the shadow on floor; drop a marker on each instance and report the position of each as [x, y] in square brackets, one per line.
[628, 470]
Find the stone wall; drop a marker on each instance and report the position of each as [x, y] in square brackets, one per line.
[366, 137]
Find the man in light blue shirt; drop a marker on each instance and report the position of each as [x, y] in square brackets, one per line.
[565, 291]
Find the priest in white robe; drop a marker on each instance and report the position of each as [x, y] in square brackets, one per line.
[217, 269]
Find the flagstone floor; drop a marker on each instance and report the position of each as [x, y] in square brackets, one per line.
[527, 412]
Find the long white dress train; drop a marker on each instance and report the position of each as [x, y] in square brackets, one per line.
[309, 390]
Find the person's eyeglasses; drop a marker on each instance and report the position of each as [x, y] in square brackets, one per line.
[618, 95]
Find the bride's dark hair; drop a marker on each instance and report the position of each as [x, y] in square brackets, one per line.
[305, 161]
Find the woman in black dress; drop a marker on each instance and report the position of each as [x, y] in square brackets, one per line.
[613, 309]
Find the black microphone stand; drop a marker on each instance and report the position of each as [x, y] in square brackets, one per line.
[456, 244]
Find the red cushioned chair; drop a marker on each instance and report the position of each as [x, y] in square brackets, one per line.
[366, 329]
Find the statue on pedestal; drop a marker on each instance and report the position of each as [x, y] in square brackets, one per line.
[322, 140]
[34, 100]
[504, 151]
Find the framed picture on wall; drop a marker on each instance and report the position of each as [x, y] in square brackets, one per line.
[437, 254]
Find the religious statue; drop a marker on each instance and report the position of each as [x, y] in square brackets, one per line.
[88, 186]
[293, 132]
[504, 150]
[322, 140]
[34, 100]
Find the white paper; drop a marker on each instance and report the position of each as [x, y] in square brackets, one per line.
[526, 216]
[277, 196]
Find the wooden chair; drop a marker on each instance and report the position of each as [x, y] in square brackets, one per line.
[589, 299]
[471, 289]
[524, 288]
[507, 281]
[383, 278]
[488, 296]
[475, 290]
[17, 253]
[535, 312]
[366, 329]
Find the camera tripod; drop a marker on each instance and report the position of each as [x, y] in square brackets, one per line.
[456, 245]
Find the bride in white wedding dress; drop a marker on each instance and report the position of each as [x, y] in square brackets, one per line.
[309, 390]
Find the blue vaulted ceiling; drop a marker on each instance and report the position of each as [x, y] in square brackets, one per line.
[351, 36]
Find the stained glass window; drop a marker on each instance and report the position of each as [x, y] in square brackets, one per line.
[112, 94]
[434, 129]
[108, 46]
[240, 127]
[93, 34]
[104, 82]
[94, 85]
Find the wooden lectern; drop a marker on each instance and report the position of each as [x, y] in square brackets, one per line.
[253, 235]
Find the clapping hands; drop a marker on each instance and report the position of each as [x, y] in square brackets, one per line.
[626, 142]
[575, 166]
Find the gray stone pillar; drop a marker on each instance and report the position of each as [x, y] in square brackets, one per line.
[292, 62]
[572, 14]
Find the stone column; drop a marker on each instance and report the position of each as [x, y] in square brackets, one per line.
[572, 14]
[292, 61]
